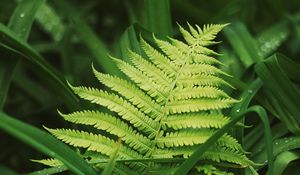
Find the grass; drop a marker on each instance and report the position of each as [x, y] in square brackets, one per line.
[44, 44]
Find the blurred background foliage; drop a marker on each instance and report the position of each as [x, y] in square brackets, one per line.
[50, 41]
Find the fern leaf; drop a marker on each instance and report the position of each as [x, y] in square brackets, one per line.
[215, 153]
[204, 59]
[195, 69]
[150, 70]
[49, 162]
[112, 125]
[131, 93]
[159, 59]
[190, 137]
[92, 142]
[196, 105]
[119, 105]
[197, 92]
[143, 81]
[171, 51]
[202, 80]
[211, 170]
[196, 120]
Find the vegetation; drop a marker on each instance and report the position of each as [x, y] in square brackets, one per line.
[172, 99]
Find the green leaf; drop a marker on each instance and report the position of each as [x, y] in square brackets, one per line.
[130, 41]
[20, 23]
[6, 171]
[43, 69]
[89, 38]
[45, 143]
[283, 160]
[284, 95]
[158, 17]
[243, 43]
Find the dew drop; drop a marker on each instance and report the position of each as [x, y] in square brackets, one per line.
[276, 143]
[238, 110]
[22, 15]
[250, 91]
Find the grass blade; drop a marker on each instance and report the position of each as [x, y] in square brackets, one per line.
[45, 143]
[283, 93]
[158, 17]
[243, 43]
[43, 69]
[283, 160]
[20, 23]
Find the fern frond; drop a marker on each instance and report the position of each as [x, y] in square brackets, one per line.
[94, 142]
[195, 120]
[204, 59]
[169, 104]
[195, 69]
[197, 92]
[159, 59]
[171, 51]
[211, 170]
[143, 81]
[120, 106]
[150, 70]
[215, 153]
[190, 137]
[112, 125]
[196, 105]
[49, 162]
[131, 93]
[202, 80]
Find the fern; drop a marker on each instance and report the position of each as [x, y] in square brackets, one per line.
[171, 102]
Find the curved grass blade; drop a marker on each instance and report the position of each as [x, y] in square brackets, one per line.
[158, 17]
[20, 23]
[283, 93]
[43, 69]
[45, 143]
[89, 38]
[283, 160]
[243, 43]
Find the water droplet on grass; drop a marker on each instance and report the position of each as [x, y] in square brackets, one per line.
[22, 15]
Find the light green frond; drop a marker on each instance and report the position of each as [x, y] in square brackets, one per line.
[180, 93]
[201, 80]
[208, 33]
[198, 49]
[215, 153]
[195, 69]
[190, 137]
[93, 142]
[187, 36]
[196, 105]
[196, 120]
[158, 76]
[211, 170]
[179, 44]
[132, 93]
[228, 155]
[159, 59]
[204, 59]
[143, 81]
[49, 162]
[171, 51]
[112, 125]
[119, 105]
